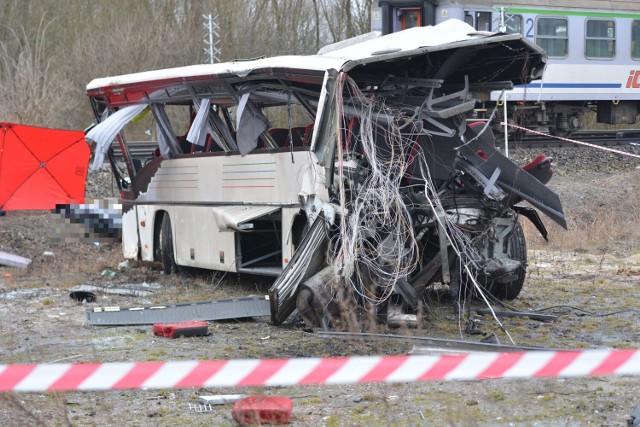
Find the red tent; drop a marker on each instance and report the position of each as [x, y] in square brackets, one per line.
[41, 167]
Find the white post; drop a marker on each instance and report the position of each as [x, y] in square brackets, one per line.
[210, 40]
[503, 26]
[506, 128]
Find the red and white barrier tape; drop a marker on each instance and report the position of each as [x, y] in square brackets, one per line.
[347, 370]
[574, 141]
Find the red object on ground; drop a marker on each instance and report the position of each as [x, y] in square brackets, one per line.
[191, 328]
[256, 410]
[41, 167]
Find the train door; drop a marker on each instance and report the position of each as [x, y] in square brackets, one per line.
[410, 18]
[397, 15]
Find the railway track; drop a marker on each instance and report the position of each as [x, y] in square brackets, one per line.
[604, 138]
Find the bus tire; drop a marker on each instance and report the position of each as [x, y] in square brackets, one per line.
[169, 265]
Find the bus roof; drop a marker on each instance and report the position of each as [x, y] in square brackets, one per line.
[341, 56]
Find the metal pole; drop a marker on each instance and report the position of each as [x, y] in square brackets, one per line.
[209, 27]
[506, 129]
[503, 27]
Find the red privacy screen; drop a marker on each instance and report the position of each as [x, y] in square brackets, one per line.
[41, 167]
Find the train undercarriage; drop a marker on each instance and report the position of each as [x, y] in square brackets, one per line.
[561, 118]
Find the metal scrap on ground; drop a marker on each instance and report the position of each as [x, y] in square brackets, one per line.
[13, 260]
[221, 309]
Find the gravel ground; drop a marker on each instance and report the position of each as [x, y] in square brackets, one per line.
[42, 324]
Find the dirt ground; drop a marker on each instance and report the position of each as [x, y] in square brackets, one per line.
[583, 281]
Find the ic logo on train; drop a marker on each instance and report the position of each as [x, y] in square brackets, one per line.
[634, 79]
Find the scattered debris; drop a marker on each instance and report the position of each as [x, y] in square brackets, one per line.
[424, 345]
[82, 296]
[221, 309]
[25, 294]
[634, 420]
[108, 273]
[504, 313]
[123, 265]
[47, 254]
[192, 328]
[75, 356]
[130, 290]
[13, 260]
[396, 318]
[491, 339]
[220, 399]
[257, 410]
[200, 408]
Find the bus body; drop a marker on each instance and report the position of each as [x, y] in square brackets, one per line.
[371, 178]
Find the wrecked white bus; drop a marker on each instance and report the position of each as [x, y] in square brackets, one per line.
[374, 184]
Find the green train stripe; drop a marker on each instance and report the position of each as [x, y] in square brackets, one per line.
[570, 13]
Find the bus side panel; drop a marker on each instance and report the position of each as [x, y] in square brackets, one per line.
[130, 234]
[199, 242]
[258, 178]
[288, 216]
[145, 228]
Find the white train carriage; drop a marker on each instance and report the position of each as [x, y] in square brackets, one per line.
[593, 49]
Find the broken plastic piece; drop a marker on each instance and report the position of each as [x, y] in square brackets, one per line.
[192, 328]
[257, 410]
[221, 399]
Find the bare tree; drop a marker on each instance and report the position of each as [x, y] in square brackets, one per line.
[32, 81]
[51, 49]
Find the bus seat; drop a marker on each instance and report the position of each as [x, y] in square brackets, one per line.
[297, 135]
[280, 136]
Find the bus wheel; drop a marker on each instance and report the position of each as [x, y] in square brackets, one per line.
[169, 265]
[517, 250]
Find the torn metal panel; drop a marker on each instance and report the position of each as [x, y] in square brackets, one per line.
[305, 262]
[221, 309]
[237, 217]
[513, 179]
[13, 260]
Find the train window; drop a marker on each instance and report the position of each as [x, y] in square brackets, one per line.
[481, 21]
[600, 39]
[553, 36]
[635, 39]
[513, 23]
